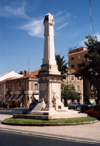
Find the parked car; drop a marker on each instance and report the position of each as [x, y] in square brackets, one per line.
[85, 106]
[94, 112]
[31, 107]
[74, 105]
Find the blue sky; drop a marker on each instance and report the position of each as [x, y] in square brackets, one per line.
[21, 30]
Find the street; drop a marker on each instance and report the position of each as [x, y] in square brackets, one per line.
[12, 139]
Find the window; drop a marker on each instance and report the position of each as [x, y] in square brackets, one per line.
[36, 87]
[72, 77]
[78, 88]
[23, 87]
[72, 58]
[77, 78]
[0, 90]
[17, 88]
[72, 86]
[13, 88]
[79, 57]
[72, 66]
[8, 87]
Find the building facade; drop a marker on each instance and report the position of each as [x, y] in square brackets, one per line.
[21, 91]
[76, 56]
[76, 82]
[3, 79]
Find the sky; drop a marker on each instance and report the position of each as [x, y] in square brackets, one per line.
[22, 30]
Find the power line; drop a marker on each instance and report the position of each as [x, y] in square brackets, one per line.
[91, 21]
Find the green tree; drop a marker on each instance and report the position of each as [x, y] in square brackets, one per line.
[62, 65]
[68, 92]
[90, 68]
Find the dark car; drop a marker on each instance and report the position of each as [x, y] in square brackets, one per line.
[94, 112]
[31, 107]
[85, 106]
[74, 105]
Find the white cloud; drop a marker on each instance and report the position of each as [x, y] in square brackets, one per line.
[62, 18]
[34, 28]
[14, 9]
[63, 25]
[82, 43]
[59, 13]
[75, 17]
[98, 37]
[68, 15]
[18, 9]
[85, 40]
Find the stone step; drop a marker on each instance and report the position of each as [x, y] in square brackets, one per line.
[31, 116]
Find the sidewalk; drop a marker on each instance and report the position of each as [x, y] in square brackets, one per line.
[84, 133]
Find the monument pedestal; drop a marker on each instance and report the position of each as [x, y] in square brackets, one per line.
[50, 88]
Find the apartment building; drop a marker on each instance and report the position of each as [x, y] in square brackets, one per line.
[76, 56]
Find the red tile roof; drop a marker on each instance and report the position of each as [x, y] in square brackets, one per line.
[7, 79]
[29, 75]
[4, 74]
[35, 72]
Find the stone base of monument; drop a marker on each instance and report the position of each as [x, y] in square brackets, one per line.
[45, 112]
[49, 115]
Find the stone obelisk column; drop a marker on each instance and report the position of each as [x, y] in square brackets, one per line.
[49, 51]
[49, 76]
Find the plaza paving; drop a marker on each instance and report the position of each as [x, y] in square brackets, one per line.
[88, 132]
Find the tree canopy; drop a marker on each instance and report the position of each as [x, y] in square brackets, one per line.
[62, 65]
[90, 68]
[68, 92]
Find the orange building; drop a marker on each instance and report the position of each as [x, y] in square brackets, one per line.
[76, 56]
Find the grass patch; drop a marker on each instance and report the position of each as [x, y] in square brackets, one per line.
[57, 121]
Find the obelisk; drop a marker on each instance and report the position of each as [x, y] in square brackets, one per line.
[49, 76]
[49, 51]
[49, 62]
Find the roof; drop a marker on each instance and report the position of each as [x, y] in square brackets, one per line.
[4, 74]
[28, 75]
[35, 72]
[7, 79]
[71, 70]
[8, 75]
[13, 75]
[81, 49]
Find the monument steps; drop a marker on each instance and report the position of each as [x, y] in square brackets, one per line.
[33, 116]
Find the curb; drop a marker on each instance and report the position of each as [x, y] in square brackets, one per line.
[52, 136]
[59, 124]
